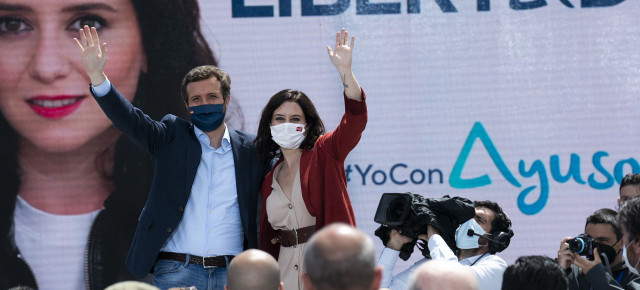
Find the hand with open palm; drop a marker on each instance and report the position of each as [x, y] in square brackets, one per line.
[94, 54]
[341, 57]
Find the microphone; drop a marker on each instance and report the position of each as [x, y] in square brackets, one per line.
[470, 233]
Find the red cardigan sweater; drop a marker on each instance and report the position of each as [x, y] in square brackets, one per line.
[322, 176]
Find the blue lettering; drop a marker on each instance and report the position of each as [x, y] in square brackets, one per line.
[600, 3]
[392, 176]
[378, 172]
[538, 205]
[618, 170]
[310, 9]
[365, 7]
[478, 132]
[432, 171]
[519, 5]
[364, 174]
[347, 172]
[285, 8]
[238, 9]
[446, 6]
[484, 5]
[574, 169]
[567, 3]
[413, 6]
[421, 173]
[598, 165]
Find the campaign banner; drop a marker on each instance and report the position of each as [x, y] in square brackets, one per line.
[531, 104]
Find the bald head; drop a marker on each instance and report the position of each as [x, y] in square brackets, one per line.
[340, 257]
[442, 275]
[253, 269]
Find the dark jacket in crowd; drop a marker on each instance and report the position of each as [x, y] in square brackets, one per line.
[599, 279]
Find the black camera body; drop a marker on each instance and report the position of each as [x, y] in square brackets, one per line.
[393, 209]
[583, 245]
[411, 214]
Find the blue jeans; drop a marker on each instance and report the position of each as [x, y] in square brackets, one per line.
[169, 273]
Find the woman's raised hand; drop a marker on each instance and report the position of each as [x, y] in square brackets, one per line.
[341, 55]
[341, 58]
[94, 54]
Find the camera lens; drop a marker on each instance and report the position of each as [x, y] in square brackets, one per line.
[576, 245]
[396, 210]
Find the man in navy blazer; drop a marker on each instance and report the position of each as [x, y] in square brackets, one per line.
[204, 199]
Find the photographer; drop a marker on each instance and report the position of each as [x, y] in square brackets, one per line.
[476, 251]
[596, 274]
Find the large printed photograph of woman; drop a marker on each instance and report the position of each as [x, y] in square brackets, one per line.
[71, 186]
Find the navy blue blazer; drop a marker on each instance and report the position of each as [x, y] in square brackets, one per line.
[175, 152]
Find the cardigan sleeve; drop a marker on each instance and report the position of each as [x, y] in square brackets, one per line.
[347, 135]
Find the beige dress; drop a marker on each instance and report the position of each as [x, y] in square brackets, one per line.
[289, 214]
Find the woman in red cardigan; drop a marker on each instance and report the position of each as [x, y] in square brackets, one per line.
[307, 187]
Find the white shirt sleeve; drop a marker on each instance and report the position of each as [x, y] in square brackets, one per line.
[488, 269]
[439, 249]
[102, 89]
[387, 260]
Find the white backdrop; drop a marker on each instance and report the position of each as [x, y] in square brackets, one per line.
[551, 87]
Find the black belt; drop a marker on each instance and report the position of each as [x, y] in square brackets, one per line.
[291, 238]
[206, 262]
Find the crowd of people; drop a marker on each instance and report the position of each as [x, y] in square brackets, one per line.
[339, 256]
[232, 210]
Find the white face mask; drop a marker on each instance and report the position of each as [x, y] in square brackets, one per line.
[464, 241]
[288, 135]
[632, 269]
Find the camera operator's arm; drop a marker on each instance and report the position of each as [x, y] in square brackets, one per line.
[438, 248]
[565, 255]
[388, 259]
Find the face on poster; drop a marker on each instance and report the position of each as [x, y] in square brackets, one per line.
[527, 103]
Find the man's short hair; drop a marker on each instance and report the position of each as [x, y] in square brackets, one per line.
[331, 265]
[534, 273]
[131, 285]
[442, 274]
[502, 222]
[204, 72]
[605, 216]
[630, 179]
[629, 218]
[253, 270]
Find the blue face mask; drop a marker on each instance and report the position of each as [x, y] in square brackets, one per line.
[207, 117]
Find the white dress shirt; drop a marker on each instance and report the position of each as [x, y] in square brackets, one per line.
[487, 268]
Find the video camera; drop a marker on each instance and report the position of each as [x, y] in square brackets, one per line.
[411, 214]
[393, 209]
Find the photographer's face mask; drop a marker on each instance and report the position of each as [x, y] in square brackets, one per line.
[463, 240]
[608, 250]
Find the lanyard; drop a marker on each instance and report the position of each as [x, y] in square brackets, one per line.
[619, 279]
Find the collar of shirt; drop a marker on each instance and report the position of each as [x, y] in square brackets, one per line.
[204, 140]
[470, 260]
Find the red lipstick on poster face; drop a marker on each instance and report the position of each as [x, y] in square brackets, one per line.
[55, 107]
